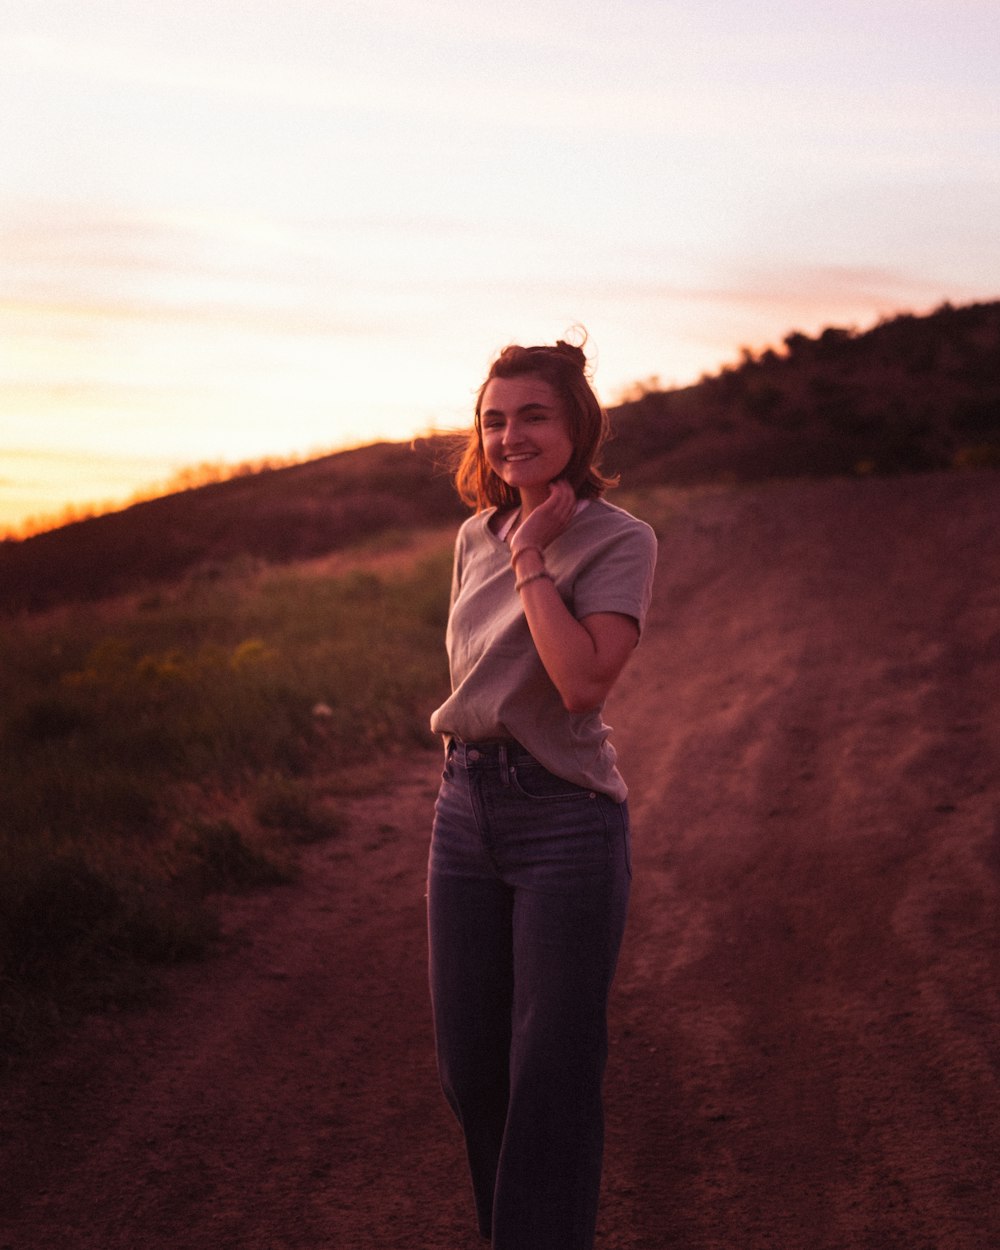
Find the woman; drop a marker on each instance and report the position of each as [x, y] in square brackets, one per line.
[529, 865]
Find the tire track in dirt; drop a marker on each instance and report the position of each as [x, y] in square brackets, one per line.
[805, 1021]
[816, 896]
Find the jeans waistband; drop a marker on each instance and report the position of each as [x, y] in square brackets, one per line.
[502, 751]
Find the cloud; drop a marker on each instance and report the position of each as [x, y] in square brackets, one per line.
[78, 272]
[818, 284]
[69, 316]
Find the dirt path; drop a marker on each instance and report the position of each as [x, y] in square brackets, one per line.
[806, 1021]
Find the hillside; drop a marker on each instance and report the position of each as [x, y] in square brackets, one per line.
[804, 1022]
[275, 516]
[911, 394]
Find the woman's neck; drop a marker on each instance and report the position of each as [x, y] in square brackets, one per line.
[530, 499]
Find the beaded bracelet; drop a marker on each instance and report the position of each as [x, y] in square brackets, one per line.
[534, 577]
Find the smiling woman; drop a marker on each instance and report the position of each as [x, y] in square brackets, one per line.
[543, 396]
[529, 867]
[525, 432]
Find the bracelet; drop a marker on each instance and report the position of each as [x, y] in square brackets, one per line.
[516, 555]
[534, 577]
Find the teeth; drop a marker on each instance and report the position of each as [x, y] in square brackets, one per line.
[525, 455]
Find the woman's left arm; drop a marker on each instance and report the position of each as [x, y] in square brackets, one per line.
[583, 658]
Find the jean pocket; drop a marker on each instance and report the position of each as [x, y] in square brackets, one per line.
[533, 781]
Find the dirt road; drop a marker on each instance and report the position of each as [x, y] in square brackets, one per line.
[806, 1023]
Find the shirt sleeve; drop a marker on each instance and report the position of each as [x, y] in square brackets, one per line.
[620, 576]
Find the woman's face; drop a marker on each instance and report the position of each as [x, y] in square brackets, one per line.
[525, 432]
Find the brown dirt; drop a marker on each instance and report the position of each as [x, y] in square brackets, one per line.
[806, 1019]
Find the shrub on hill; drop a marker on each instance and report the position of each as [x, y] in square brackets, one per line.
[912, 394]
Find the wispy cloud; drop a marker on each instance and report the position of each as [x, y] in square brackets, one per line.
[67, 271]
[241, 228]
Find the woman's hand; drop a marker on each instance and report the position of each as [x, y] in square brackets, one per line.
[546, 522]
[582, 658]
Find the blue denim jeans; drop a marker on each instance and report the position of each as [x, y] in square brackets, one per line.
[528, 888]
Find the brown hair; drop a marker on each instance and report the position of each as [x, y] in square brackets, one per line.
[564, 368]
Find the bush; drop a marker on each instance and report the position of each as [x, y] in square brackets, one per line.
[221, 857]
[290, 805]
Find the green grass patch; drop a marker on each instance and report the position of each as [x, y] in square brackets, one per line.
[157, 753]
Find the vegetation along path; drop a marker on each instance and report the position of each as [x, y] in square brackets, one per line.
[805, 1022]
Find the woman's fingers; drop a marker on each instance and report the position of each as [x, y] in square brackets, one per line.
[550, 518]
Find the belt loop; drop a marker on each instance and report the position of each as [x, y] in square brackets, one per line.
[504, 774]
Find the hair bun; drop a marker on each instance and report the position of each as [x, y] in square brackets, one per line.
[564, 357]
[572, 352]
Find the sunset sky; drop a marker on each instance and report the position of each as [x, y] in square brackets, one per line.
[232, 230]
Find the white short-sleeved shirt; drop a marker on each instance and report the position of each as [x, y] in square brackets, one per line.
[602, 562]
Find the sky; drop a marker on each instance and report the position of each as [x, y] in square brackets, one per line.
[238, 230]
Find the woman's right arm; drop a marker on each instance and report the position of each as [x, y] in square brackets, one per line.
[583, 658]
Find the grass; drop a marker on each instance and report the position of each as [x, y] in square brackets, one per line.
[156, 752]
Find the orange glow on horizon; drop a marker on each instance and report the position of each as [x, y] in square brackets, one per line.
[232, 241]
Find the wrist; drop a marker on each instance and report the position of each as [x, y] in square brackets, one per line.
[526, 559]
[526, 579]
